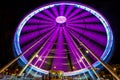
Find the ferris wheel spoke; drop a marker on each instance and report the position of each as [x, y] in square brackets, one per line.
[51, 14]
[92, 36]
[31, 47]
[36, 21]
[30, 28]
[58, 51]
[84, 22]
[93, 27]
[91, 60]
[79, 18]
[49, 59]
[72, 49]
[38, 17]
[61, 10]
[89, 19]
[68, 10]
[85, 57]
[48, 14]
[78, 15]
[83, 14]
[97, 58]
[67, 51]
[34, 55]
[74, 13]
[89, 57]
[48, 47]
[97, 28]
[76, 43]
[41, 16]
[55, 11]
[39, 22]
[91, 46]
[33, 35]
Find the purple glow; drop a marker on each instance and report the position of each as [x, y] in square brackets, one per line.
[61, 19]
[56, 32]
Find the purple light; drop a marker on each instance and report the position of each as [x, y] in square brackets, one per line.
[61, 19]
[58, 47]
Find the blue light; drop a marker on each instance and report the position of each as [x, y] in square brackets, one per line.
[98, 15]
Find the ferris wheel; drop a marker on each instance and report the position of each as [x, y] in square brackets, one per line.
[66, 36]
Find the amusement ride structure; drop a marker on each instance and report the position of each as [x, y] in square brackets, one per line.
[67, 36]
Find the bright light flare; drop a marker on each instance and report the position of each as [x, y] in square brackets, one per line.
[61, 19]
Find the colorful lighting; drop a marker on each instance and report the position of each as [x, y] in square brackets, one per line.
[31, 23]
[61, 19]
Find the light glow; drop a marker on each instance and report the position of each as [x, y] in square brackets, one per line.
[61, 19]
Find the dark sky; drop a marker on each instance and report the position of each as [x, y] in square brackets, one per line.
[13, 11]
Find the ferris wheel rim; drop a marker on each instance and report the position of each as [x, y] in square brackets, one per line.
[91, 10]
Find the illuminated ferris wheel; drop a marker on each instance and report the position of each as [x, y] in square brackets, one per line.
[63, 36]
[66, 36]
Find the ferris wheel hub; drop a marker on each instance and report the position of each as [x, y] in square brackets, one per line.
[61, 19]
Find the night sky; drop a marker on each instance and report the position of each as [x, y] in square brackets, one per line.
[13, 11]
